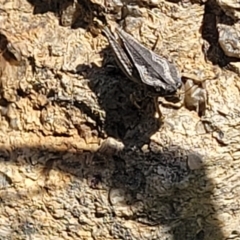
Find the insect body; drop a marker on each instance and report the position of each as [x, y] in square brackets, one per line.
[143, 66]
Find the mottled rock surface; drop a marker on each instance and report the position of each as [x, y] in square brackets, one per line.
[80, 161]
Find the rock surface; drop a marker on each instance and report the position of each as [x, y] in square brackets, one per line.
[80, 161]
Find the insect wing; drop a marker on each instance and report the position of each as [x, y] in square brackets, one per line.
[154, 70]
[120, 56]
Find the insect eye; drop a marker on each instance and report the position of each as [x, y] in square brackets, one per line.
[159, 89]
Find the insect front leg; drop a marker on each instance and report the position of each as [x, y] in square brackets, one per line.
[158, 110]
[134, 100]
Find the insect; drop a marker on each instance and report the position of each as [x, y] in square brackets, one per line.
[159, 76]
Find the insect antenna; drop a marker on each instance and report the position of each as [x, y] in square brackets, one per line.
[187, 90]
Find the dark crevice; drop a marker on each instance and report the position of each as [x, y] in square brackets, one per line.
[213, 15]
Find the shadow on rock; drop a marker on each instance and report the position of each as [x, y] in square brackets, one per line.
[167, 191]
[77, 14]
[7, 51]
[164, 188]
[131, 122]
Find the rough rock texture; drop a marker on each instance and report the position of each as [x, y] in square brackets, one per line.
[80, 161]
[229, 37]
[230, 7]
